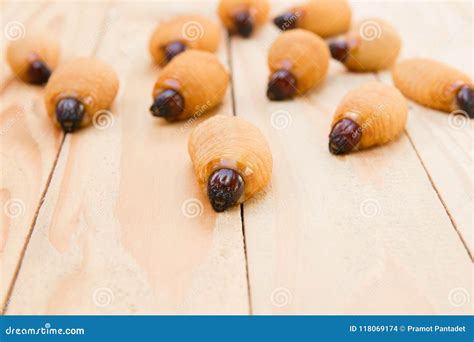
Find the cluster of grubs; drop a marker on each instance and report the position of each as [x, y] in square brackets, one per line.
[231, 157]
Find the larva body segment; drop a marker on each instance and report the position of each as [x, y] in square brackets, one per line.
[430, 83]
[304, 55]
[243, 16]
[372, 45]
[197, 78]
[230, 143]
[325, 18]
[372, 114]
[33, 57]
[183, 32]
[89, 81]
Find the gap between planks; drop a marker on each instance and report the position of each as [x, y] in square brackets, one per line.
[242, 211]
[51, 174]
[433, 185]
[32, 226]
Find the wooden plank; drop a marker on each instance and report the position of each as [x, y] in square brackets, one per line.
[14, 19]
[443, 141]
[29, 142]
[361, 234]
[124, 228]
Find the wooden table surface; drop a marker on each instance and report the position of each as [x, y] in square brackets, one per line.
[111, 220]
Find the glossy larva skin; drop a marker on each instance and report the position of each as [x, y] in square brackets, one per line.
[194, 31]
[430, 83]
[198, 77]
[87, 79]
[259, 9]
[379, 110]
[302, 53]
[322, 17]
[35, 46]
[233, 143]
[373, 44]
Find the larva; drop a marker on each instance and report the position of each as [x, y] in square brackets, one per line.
[435, 85]
[326, 18]
[33, 57]
[372, 45]
[181, 33]
[298, 61]
[77, 90]
[372, 114]
[193, 81]
[231, 159]
[243, 16]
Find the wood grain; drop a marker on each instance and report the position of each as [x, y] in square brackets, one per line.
[125, 227]
[443, 141]
[361, 234]
[29, 142]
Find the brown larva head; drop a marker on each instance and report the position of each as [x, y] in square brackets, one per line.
[465, 100]
[168, 104]
[78, 90]
[344, 137]
[243, 16]
[181, 33]
[225, 187]
[287, 20]
[33, 57]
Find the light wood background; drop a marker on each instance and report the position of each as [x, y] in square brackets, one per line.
[112, 221]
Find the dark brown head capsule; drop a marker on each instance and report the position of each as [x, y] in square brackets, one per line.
[244, 23]
[339, 50]
[465, 100]
[173, 49]
[281, 86]
[168, 104]
[224, 189]
[38, 72]
[69, 113]
[345, 135]
[286, 21]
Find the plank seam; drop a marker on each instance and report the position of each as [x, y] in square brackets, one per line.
[433, 185]
[440, 197]
[242, 218]
[45, 191]
[30, 231]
